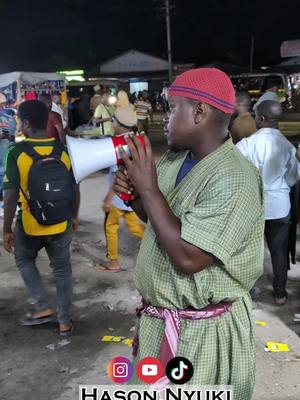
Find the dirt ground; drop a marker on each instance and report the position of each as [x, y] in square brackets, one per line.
[35, 364]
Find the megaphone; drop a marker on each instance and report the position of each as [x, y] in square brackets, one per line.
[91, 155]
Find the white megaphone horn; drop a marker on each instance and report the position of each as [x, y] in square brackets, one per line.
[91, 155]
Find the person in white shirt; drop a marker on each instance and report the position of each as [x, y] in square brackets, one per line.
[57, 107]
[270, 89]
[275, 157]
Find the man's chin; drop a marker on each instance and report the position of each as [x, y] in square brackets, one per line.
[173, 147]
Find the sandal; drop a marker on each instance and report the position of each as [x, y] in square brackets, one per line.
[30, 320]
[100, 267]
[68, 332]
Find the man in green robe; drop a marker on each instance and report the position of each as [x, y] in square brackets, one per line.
[203, 247]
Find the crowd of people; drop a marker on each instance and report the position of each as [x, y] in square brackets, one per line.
[202, 211]
[87, 113]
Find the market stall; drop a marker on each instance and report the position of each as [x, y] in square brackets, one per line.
[20, 86]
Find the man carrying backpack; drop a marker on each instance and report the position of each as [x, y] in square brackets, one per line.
[38, 178]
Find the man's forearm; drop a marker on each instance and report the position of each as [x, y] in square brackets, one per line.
[10, 206]
[188, 258]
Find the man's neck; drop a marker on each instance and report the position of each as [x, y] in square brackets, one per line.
[271, 126]
[40, 134]
[208, 146]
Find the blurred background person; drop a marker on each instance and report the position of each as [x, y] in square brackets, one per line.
[115, 209]
[58, 108]
[275, 158]
[123, 100]
[55, 127]
[143, 111]
[96, 99]
[243, 124]
[103, 115]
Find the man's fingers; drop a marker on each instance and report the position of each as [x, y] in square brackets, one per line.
[122, 174]
[120, 181]
[126, 159]
[120, 189]
[139, 146]
[148, 147]
[132, 148]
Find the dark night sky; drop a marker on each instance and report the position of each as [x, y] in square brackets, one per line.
[39, 35]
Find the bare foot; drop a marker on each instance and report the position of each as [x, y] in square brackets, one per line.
[48, 312]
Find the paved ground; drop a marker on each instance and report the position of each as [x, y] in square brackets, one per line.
[104, 304]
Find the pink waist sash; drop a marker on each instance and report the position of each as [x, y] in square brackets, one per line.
[172, 320]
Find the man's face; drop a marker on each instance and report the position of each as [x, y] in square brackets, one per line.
[273, 89]
[105, 98]
[181, 127]
[56, 99]
[239, 107]
[23, 126]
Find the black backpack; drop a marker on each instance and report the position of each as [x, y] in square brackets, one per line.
[50, 186]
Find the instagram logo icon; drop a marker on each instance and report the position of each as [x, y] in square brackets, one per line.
[120, 370]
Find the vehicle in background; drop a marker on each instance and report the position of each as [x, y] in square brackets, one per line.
[288, 93]
[254, 83]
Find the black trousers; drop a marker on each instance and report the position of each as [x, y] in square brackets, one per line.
[277, 236]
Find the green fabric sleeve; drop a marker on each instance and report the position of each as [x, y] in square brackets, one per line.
[220, 220]
[11, 178]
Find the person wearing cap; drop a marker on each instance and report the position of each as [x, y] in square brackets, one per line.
[203, 246]
[123, 100]
[115, 209]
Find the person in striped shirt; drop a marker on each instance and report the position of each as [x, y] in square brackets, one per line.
[143, 112]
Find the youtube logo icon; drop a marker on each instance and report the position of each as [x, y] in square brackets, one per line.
[149, 370]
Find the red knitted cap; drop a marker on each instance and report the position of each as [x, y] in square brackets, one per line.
[209, 85]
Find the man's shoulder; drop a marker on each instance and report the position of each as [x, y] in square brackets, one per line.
[54, 116]
[99, 107]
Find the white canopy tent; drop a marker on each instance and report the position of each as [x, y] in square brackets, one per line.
[28, 77]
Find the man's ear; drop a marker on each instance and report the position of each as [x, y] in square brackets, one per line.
[199, 112]
[26, 124]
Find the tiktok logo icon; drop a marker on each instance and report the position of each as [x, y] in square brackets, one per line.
[179, 370]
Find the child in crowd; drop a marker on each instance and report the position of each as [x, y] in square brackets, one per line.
[124, 122]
